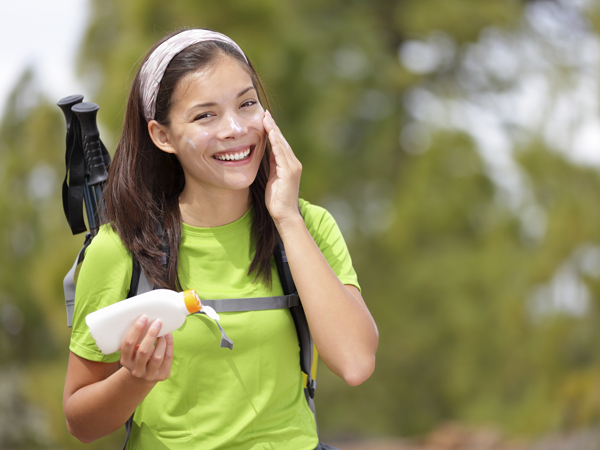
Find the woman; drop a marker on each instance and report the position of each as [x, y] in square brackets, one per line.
[201, 185]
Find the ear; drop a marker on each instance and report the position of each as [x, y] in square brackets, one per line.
[160, 136]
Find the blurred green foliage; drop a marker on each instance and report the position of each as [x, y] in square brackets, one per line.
[460, 283]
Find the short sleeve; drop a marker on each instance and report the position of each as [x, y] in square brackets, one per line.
[328, 237]
[104, 279]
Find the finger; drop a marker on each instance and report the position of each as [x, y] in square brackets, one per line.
[276, 136]
[168, 360]
[146, 348]
[269, 122]
[131, 339]
[157, 357]
[170, 346]
[283, 153]
[162, 363]
[277, 148]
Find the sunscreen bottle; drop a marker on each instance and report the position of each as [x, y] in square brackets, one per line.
[109, 326]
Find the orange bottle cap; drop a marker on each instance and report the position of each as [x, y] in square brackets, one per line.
[192, 301]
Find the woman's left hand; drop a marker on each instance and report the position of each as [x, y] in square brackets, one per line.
[281, 194]
[343, 330]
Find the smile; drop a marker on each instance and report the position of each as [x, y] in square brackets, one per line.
[235, 156]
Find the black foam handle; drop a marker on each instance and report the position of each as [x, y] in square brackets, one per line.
[66, 103]
[86, 113]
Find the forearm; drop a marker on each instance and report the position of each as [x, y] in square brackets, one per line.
[342, 327]
[100, 397]
[101, 408]
[344, 331]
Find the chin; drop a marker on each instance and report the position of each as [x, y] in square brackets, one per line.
[238, 184]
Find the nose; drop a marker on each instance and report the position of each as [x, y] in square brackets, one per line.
[232, 126]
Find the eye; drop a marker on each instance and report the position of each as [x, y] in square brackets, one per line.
[202, 116]
[249, 103]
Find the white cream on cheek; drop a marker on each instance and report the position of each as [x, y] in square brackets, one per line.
[197, 141]
[191, 143]
[256, 121]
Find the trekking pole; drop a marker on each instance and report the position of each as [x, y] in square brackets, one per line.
[96, 157]
[76, 191]
[86, 161]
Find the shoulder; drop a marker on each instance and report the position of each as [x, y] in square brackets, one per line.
[318, 220]
[104, 279]
[314, 214]
[328, 237]
[308, 208]
[107, 262]
[107, 245]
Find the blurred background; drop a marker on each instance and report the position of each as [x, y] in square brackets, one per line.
[457, 143]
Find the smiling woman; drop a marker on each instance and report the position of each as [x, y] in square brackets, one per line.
[202, 186]
[216, 131]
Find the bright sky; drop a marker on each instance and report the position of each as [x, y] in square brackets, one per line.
[551, 67]
[45, 35]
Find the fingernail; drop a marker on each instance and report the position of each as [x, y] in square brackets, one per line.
[156, 323]
[142, 320]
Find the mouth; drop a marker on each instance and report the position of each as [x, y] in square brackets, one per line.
[237, 155]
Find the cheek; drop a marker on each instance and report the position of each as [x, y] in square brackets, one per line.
[190, 143]
[198, 140]
[256, 123]
[255, 120]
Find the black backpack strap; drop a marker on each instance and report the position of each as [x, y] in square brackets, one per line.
[136, 274]
[304, 336]
[135, 278]
[128, 426]
[134, 286]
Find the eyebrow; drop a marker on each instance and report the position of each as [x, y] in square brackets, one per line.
[210, 104]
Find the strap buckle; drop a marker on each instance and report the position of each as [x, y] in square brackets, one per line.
[311, 386]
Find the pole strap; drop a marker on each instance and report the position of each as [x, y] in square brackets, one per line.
[74, 183]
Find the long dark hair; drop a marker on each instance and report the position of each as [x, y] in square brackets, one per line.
[141, 197]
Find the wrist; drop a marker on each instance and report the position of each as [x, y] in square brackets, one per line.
[137, 383]
[290, 225]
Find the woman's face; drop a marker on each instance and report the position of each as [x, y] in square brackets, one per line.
[216, 127]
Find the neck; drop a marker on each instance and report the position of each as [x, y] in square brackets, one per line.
[213, 209]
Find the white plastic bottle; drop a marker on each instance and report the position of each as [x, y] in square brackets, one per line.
[109, 325]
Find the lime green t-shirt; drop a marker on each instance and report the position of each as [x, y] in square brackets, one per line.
[250, 397]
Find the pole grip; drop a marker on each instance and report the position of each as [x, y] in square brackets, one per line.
[86, 112]
[66, 103]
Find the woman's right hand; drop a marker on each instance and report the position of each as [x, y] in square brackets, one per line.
[100, 397]
[151, 359]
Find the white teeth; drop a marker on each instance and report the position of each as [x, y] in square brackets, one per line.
[234, 156]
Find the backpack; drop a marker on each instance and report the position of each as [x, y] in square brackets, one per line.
[87, 161]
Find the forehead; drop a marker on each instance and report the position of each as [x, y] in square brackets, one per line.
[225, 77]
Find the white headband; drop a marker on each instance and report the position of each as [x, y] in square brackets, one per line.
[155, 66]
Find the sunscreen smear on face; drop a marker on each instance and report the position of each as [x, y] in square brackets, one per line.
[109, 326]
